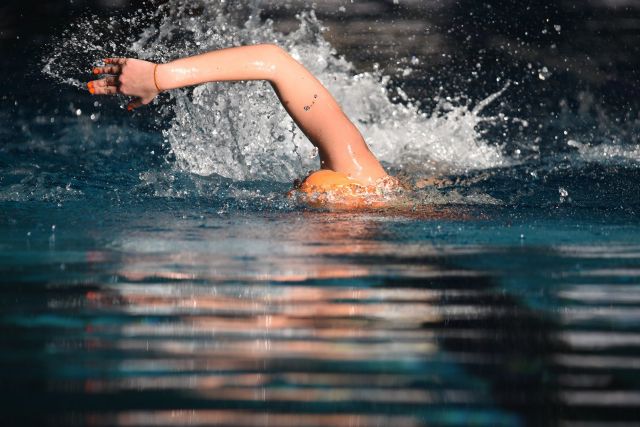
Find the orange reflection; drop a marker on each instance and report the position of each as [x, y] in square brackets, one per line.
[227, 333]
[249, 419]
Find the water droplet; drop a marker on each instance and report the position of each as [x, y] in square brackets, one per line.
[563, 192]
[544, 73]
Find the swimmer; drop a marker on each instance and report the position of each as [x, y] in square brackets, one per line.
[347, 165]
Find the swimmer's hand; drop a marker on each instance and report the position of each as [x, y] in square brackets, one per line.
[126, 76]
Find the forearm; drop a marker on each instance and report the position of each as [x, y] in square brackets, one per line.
[258, 62]
[309, 103]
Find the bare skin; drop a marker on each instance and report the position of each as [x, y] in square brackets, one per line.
[341, 146]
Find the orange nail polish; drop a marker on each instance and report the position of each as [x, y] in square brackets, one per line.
[92, 90]
[96, 71]
[129, 108]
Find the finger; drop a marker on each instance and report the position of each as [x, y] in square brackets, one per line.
[101, 90]
[108, 69]
[117, 61]
[107, 81]
[135, 104]
[98, 86]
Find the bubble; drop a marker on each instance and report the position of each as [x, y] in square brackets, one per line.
[544, 73]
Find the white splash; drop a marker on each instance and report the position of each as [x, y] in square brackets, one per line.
[606, 152]
[240, 130]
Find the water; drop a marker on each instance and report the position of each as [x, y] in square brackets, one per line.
[156, 273]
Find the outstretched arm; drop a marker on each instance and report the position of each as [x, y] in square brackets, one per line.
[340, 144]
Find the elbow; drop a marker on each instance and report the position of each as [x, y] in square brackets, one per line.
[277, 58]
[273, 50]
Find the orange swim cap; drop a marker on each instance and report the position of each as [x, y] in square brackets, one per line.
[326, 180]
[327, 188]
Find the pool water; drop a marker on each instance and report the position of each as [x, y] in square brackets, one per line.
[149, 277]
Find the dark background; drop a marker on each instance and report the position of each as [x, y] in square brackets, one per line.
[599, 40]
[469, 48]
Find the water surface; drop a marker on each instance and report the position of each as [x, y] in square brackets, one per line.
[154, 272]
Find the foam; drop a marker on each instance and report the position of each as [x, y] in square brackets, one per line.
[604, 152]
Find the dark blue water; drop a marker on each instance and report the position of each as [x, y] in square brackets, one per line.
[135, 291]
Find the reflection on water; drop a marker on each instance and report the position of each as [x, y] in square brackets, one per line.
[309, 319]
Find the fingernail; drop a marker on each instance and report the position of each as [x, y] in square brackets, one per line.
[129, 108]
[96, 71]
[92, 90]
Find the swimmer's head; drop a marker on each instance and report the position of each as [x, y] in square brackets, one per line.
[335, 190]
[327, 180]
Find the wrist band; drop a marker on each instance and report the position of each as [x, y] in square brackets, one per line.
[155, 81]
